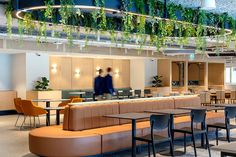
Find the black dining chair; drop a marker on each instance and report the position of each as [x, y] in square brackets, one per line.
[137, 93]
[158, 123]
[147, 93]
[230, 113]
[197, 117]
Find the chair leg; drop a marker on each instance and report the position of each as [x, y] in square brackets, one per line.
[34, 123]
[171, 148]
[149, 154]
[217, 136]
[17, 119]
[39, 121]
[30, 121]
[23, 122]
[208, 145]
[194, 145]
[184, 143]
[228, 134]
[153, 149]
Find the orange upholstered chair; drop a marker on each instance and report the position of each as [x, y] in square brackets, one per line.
[31, 110]
[17, 103]
[72, 100]
[75, 100]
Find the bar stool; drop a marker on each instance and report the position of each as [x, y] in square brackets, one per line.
[230, 113]
[158, 123]
[205, 98]
[197, 117]
[220, 96]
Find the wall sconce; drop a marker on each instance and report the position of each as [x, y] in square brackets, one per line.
[117, 72]
[77, 73]
[97, 70]
[54, 68]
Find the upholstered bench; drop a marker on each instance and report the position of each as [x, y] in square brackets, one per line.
[53, 141]
[87, 132]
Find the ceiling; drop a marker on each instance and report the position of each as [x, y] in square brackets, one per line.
[221, 5]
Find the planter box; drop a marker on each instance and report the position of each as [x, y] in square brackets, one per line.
[30, 95]
[160, 90]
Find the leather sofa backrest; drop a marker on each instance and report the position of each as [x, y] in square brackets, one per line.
[90, 116]
[143, 105]
[187, 101]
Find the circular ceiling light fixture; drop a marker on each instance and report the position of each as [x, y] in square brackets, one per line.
[208, 4]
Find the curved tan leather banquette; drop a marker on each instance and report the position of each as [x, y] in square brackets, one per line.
[87, 132]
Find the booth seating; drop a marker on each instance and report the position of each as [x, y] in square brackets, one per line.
[87, 132]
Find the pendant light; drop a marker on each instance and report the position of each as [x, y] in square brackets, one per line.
[208, 4]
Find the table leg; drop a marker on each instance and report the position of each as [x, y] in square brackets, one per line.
[202, 137]
[133, 138]
[48, 114]
[58, 117]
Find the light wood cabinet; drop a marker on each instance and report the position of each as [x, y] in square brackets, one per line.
[7, 100]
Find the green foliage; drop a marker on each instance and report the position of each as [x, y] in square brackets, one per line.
[42, 84]
[157, 81]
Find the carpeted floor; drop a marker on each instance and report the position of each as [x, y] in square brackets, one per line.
[14, 142]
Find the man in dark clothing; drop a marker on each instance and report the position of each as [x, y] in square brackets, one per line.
[99, 85]
[108, 88]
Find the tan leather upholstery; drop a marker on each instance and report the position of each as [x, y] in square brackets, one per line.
[187, 101]
[54, 142]
[100, 134]
[141, 106]
[116, 137]
[90, 116]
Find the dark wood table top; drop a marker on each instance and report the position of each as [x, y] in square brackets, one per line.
[227, 148]
[222, 105]
[169, 111]
[208, 108]
[130, 116]
[49, 100]
[54, 108]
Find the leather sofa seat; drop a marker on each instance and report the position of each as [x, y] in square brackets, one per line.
[116, 138]
[54, 142]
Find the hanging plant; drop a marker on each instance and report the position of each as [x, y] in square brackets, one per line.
[139, 4]
[8, 13]
[49, 10]
[42, 31]
[141, 37]
[128, 27]
[171, 8]
[28, 23]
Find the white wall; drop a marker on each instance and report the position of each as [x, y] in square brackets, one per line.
[26, 69]
[37, 66]
[19, 74]
[137, 74]
[150, 71]
[5, 72]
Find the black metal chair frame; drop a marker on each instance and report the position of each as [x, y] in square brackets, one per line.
[158, 123]
[230, 113]
[197, 117]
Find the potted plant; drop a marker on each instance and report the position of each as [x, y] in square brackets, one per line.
[157, 82]
[42, 84]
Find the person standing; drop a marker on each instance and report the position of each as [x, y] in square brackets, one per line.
[99, 85]
[108, 88]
